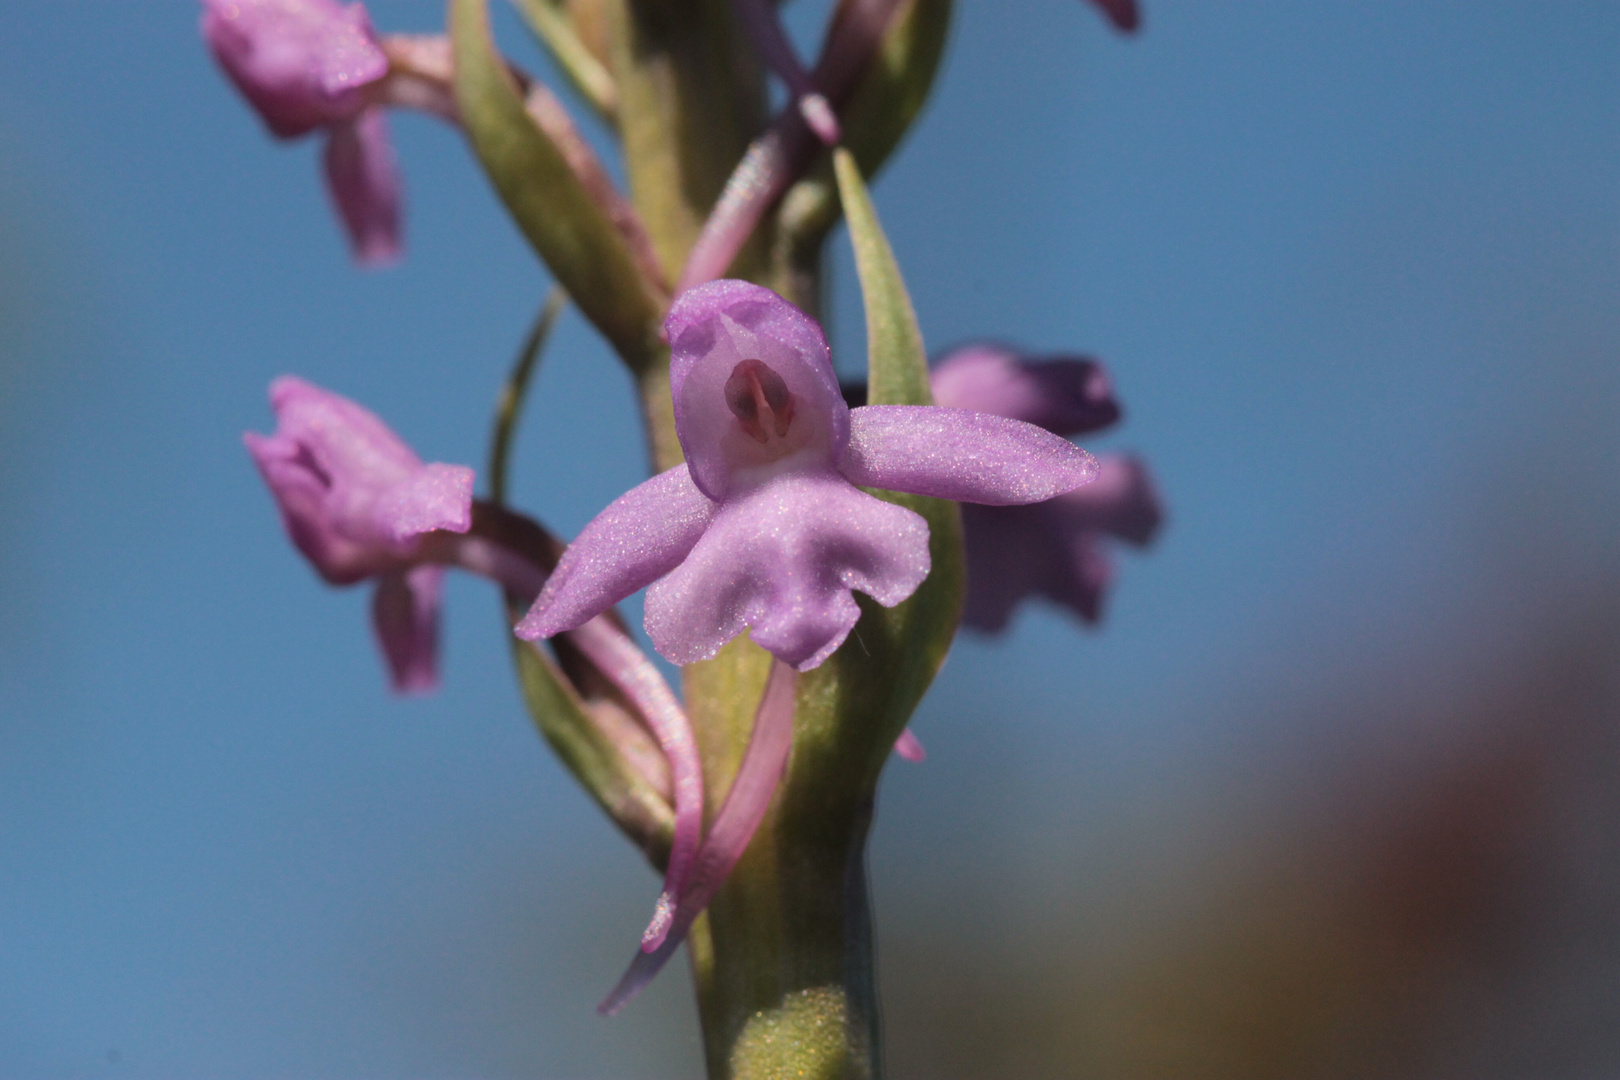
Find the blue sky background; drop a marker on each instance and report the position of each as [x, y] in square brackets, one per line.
[1353, 267]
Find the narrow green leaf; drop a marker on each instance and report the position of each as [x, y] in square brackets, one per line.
[891, 94]
[589, 76]
[560, 218]
[563, 720]
[853, 707]
[562, 716]
[897, 364]
[509, 406]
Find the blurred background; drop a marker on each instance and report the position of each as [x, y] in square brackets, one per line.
[1334, 791]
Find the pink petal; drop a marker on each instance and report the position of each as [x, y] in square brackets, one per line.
[761, 771]
[363, 178]
[300, 63]
[961, 455]
[434, 497]
[352, 494]
[910, 747]
[714, 327]
[782, 559]
[641, 536]
[300, 492]
[405, 615]
[348, 439]
[1066, 395]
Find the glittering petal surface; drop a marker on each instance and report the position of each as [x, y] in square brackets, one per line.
[362, 176]
[962, 455]
[405, 615]
[761, 771]
[1067, 395]
[782, 560]
[352, 494]
[300, 63]
[642, 535]
[714, 327]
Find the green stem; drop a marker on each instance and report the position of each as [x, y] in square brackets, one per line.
[785, 975]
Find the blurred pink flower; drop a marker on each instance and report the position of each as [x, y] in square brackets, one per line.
[1056, 548]
[309, 65]
[357, 502]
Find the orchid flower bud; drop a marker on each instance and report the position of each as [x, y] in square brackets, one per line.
[306, 66]
[357, 502]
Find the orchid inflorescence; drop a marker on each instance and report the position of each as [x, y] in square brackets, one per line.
[800, 544]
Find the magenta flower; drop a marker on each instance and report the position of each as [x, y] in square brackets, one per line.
[1056, 548]
[360, 504]
[357, 502]
[764, 527]
[311, 65]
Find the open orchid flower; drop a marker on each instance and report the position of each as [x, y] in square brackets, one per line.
[313, 65]
[357, 502]
[764, 527]
[1054, 549]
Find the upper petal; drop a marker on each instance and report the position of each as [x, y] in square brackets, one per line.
[961, 455]
[434, 497]
[362, 176]
[300, 488]
[642, 535]
[300, 63]
[782, 560]
[1068, 395]
[712, 329]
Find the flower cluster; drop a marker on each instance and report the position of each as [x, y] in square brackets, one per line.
[775, 516]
